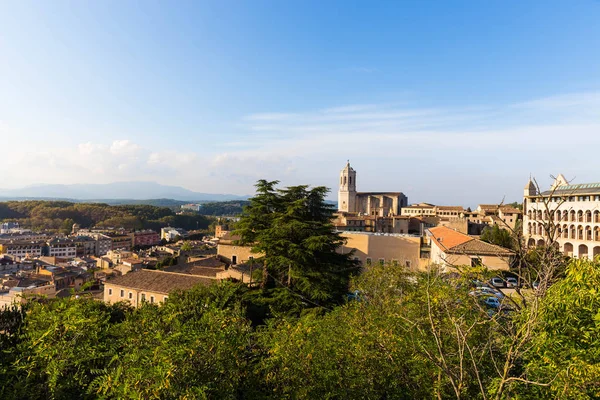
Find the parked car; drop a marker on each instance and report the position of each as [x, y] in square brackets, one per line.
[512, 282]
[492, 302]
[491, 291]
[498, 282]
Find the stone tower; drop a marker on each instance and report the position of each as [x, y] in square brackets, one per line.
[347, 192]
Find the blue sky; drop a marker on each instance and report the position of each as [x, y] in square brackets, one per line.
[452, 102]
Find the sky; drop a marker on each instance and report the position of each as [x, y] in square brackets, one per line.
[454, 102]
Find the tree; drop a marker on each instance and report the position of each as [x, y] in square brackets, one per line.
[292, 228]
[498, 236]
[186, 246]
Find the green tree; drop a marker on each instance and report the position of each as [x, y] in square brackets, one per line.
[498, 236]
[292, 228]
[565, 355]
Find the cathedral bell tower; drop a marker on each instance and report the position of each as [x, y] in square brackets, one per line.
[347, 192]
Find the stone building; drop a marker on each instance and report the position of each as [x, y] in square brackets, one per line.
[572, 212]
[149, 286]
[380, 204]
[450, 248]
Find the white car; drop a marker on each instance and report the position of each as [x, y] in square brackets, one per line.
[512, 282]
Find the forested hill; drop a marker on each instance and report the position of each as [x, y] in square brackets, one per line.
[62, 215]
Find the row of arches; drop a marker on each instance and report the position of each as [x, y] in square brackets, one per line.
[565, 231]
[566, 215]
[583, 251]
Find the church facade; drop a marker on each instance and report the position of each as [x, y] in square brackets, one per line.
[382, 204]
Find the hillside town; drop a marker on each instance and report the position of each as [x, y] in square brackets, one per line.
[377, 228]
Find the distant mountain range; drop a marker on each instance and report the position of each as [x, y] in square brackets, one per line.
[114, 192]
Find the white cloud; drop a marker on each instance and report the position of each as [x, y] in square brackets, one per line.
[439, 154]
[124, 148]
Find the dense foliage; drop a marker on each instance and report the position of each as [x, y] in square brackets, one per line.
[291, 230]
[60, 215]
[498, 236]
[407, 336]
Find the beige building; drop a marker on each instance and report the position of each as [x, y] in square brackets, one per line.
[573, 211]
[372, 248]
[232, 253]
[381, 204]
[450, 248]
[149, 286]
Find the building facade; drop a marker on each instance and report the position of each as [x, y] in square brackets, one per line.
[22, 248]
[567, 214]
[381, 204]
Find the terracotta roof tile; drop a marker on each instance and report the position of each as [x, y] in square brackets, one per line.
[478, 247]
[159, 281]
[447, 238]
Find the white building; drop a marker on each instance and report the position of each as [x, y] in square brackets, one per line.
[571, 212]
[169, 233]
[62, 247]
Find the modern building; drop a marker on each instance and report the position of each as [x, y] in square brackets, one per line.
[149, 286]
[62, 247]
[567, 214]
[168, 233]
[381, 204]
[22, 248]
[145, 238]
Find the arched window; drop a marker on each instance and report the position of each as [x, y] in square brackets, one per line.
[579, 216]
[565, 231]
[529, 228]
[597, 216]
[344, 180]
[565, 216]
[588, 216]
[572, 216]
[588, 233]
[539, 214]
[580, 232]
[350, 180]
[572, 229]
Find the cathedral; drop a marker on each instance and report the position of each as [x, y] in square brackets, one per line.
[382, 204]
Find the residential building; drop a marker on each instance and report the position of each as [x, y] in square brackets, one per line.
[85, 246]
[120, 240]
[570, 213]
[22, 248]
[62, 247]
[450, 248]
[145, 238]
[381, 204]
[232, 253]
[372, 248]
[149, 286]
[221, 230]
[168, 233]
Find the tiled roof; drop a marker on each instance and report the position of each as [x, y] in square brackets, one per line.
[451, 208]
[159, 281]
[447, 238]
[479, 247]
[510, 210]
[454, 242]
